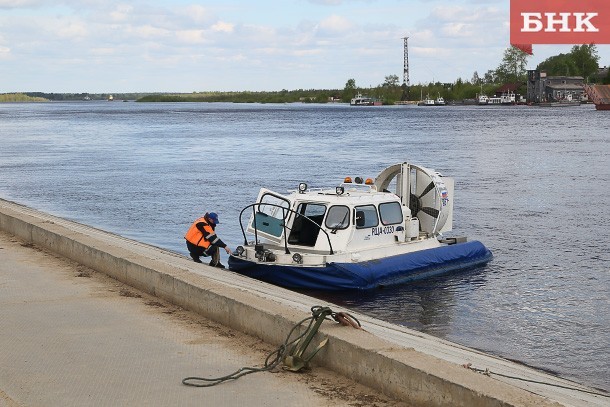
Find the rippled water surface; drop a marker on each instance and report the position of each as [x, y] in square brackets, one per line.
[531, 183]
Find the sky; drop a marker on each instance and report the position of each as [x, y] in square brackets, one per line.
[114, 46]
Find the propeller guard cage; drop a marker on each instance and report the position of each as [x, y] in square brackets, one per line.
[424, 191]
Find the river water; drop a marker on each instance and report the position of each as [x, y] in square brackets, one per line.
[531, 184]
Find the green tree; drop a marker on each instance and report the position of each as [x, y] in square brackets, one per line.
[513, 68]
[490, 77]
[391, 89]
[581, 61]
[475, 78]
[405, 92]
[349, 91]
[558, 65]
[391, 81]
[585, 59]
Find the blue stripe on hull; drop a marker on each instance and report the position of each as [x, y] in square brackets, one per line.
[368, 274]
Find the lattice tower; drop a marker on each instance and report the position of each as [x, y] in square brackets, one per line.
[405, 76]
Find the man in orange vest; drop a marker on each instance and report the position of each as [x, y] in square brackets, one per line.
[201, 240]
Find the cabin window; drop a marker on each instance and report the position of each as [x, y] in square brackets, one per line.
[391, 213]
[270, 214]
[366, 216]
[338, 217]
[272, 205]
[306, 225]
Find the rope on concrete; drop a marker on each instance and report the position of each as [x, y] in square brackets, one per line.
[279, 355]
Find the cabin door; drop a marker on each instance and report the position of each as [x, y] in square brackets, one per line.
[306, 226]
[270, 216]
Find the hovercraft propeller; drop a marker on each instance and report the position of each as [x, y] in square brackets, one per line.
[416, 205]
[425, 192]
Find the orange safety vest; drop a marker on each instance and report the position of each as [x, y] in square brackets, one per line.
[195, 236]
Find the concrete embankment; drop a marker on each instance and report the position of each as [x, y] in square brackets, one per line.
[400, 363]
[71, 336]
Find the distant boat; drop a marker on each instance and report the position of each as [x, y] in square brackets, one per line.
[110, 98]
[507, 98]
[482, 100]
[440, 101]
[360, 100]
[567, 102]
[428, 101]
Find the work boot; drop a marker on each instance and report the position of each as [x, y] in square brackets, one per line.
[196, 259]
[214, 264]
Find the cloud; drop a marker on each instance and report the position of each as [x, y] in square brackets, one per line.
[467, 25]
[191, 36]
[335, 24]
[102, 51]
[197, 14]
[75, 30]
[457, 30]
[121, 13]
[147, 32]
[4, 52]
[232, 58]
[306, 52]
[222, 26]
[316, 43]
[47, 4]
[14, 4]
[326, 2]
[255, 33]
[455, 40]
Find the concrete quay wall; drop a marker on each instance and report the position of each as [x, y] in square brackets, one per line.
[263, 311]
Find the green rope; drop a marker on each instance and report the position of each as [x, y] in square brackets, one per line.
[273, 359]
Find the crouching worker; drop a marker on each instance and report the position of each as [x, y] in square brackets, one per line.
[201, 240]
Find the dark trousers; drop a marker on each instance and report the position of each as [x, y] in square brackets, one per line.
[198, 251]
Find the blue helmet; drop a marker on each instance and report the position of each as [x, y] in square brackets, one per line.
[213, 217]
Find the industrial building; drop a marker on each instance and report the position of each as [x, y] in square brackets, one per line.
[542, 88]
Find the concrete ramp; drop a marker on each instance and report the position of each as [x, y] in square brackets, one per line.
[403, 364]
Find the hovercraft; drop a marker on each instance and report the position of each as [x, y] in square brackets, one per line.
[358, 235]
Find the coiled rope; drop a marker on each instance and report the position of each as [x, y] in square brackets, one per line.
[279, 355]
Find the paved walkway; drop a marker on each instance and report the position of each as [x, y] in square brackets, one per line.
[72, 337]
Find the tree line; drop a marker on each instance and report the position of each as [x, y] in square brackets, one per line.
[20, 97]
[582, 60]
[61, 97]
